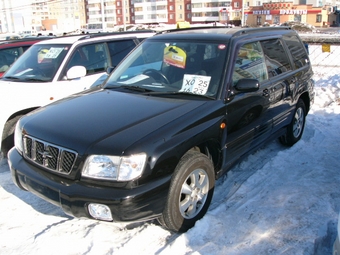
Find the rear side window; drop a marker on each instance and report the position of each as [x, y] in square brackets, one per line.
[119, 49]
[299, 53]
[276, 58]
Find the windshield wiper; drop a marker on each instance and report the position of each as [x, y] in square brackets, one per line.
[34, 79]
[178, 93]
[11, 77]
[135, 88]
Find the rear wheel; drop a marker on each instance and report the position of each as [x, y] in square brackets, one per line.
[296, 127]
[190, 192]
[7, 141]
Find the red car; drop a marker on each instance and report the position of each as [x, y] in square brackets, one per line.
[12, 49]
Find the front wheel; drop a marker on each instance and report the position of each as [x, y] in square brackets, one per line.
[296, 127]
[190, 192]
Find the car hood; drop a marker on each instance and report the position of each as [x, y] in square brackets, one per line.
[82, 121]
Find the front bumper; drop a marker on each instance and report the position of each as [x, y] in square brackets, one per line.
[141, 203]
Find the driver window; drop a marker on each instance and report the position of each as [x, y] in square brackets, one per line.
[250, 63]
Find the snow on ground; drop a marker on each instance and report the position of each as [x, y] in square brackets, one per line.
[278, 200]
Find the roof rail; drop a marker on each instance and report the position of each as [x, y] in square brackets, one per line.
[249, 30]
[26, 39]
[94, 35]
[239, 31]
[189, 28]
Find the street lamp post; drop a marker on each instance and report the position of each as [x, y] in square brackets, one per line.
[242, 14]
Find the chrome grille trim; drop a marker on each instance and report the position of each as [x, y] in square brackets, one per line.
[48, 155]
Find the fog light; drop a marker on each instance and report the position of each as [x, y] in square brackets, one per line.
[100, 212]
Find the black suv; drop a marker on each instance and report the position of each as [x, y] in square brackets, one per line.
[173, 116]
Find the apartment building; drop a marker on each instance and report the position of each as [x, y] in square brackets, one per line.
[61, 16]
[65, 15]
[36, 16]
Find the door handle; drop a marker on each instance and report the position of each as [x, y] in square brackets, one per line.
[265, 93]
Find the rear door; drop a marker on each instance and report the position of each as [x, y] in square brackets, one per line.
[282, 79]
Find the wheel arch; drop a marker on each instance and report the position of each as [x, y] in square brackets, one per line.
[306, 100]
[14, 115]
[212, 150]
[21, 112]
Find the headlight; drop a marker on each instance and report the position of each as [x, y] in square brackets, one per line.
[114, 167]
[18, 138]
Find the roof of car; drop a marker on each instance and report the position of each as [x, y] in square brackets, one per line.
[21, 42]
[217, 33]
[70, 39]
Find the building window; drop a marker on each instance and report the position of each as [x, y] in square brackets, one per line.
[259, 20]
[171, 8]
[188, 7]
[236, 4]
[180, 7]
[318, 18]
[171, 16]
[161, 7]
[297, 18]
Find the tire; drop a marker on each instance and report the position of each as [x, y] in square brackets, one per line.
[190, 193]
[7, 141]
[296, 127]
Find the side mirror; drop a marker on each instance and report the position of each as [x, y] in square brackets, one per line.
[110, 69]
[76, 72]
[247, 85]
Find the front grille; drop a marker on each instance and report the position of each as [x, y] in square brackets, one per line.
[48, 155]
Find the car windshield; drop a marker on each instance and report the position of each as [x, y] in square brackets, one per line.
[39, 63]
[171, 67]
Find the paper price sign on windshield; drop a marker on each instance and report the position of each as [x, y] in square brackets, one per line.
[53, 52]
[197, 84]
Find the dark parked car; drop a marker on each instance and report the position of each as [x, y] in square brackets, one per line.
[173, 116]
